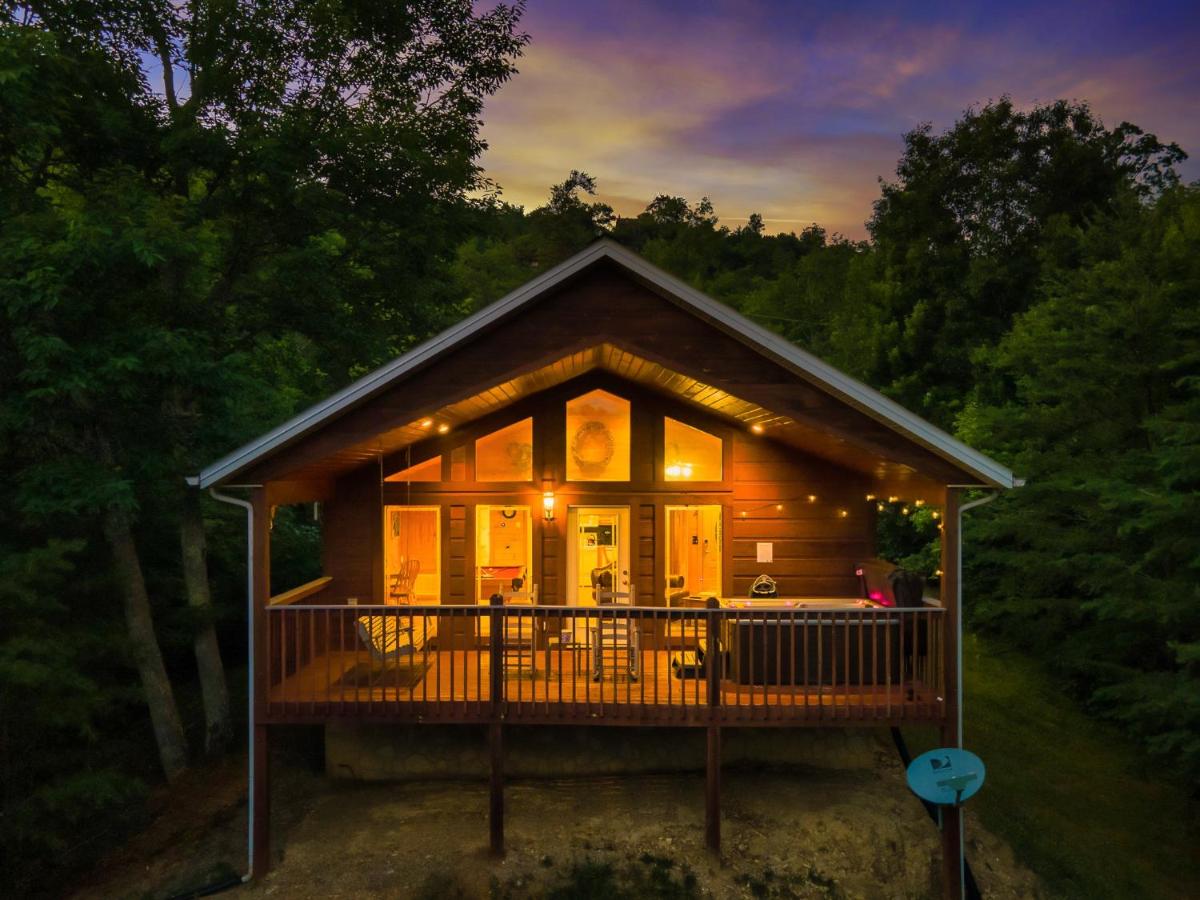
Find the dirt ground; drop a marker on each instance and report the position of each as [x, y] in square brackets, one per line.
[786, 833]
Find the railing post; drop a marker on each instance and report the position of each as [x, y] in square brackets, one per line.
[713, 662]
[495, 727]
[713, 658]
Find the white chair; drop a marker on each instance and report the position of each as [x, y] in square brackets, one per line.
[520, 632]
[616, 640]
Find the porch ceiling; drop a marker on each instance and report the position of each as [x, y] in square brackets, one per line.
[890, 475]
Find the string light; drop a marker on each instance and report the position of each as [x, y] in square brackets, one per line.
[443, 428]
[779, 507]
[756, 428]
[904, 510]
[870, 497]
[918, 503]
[893, 499]
[842, 513]
[427, 423]
[935, 515]
[880, 506]
[812, 498]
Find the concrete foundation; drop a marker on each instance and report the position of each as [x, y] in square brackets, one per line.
[419, 752]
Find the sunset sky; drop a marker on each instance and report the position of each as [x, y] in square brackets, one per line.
[794, 110]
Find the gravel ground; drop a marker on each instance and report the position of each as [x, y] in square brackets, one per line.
[786, 833]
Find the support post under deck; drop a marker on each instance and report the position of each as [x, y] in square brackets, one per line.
[712, 793]
[496, 726]
[261, 823]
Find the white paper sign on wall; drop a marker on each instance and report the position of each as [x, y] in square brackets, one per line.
[766, 552]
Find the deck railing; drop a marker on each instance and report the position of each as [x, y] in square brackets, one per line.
[604, 665]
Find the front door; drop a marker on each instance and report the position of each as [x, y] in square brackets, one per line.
[597, 552]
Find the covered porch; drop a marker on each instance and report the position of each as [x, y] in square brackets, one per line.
[782, 662]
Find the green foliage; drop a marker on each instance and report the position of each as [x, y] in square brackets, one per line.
[959, 233]
[1093, 396]
[179, 268]
[53, 694]
[1078, 802]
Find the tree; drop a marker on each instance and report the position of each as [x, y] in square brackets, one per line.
[960, 232]
[301, 160]
[1093, 397]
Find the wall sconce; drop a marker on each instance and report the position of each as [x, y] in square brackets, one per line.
[548, 505]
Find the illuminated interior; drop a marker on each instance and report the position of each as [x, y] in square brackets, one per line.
[411, 554]
[430, 470]
[598, 438]
[598, 552]
[503, 550]
[507, 454]
[690, 454]
[694, 550]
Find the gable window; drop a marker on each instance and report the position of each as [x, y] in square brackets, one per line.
[598, 437]
[507, 454]
[430, 470]
[690, 454]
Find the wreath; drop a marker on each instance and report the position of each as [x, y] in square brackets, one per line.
[592, 448]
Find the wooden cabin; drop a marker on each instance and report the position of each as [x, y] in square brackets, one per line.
[562, 510]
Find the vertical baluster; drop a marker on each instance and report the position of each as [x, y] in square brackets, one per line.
[887, 657]
[848, 671]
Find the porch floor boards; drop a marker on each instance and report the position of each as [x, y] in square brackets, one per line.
[456, 685]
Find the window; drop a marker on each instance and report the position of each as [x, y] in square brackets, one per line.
[411, 554]
[598, 438]
[693, 552]
[507, 454]
[430, 470]
[690, 454]
[503, 550]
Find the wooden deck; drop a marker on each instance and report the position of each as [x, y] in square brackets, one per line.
[560, 687]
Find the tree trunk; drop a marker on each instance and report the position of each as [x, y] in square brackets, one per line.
[218, 727]
[164, 715]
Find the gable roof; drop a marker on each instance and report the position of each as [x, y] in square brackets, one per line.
[801, 363]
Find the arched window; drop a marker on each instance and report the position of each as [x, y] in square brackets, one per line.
[598, 437]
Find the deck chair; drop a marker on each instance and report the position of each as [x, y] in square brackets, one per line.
[401, 584]
[388, 638]
[616, 640]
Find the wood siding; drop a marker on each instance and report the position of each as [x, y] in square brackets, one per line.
[814, 548]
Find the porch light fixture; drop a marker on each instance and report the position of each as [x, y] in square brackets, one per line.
[548, 505]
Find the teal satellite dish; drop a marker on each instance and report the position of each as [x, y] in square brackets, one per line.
[946, 776]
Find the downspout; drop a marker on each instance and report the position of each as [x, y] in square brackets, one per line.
[249, 507]
[958, 600]
[962, 855]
